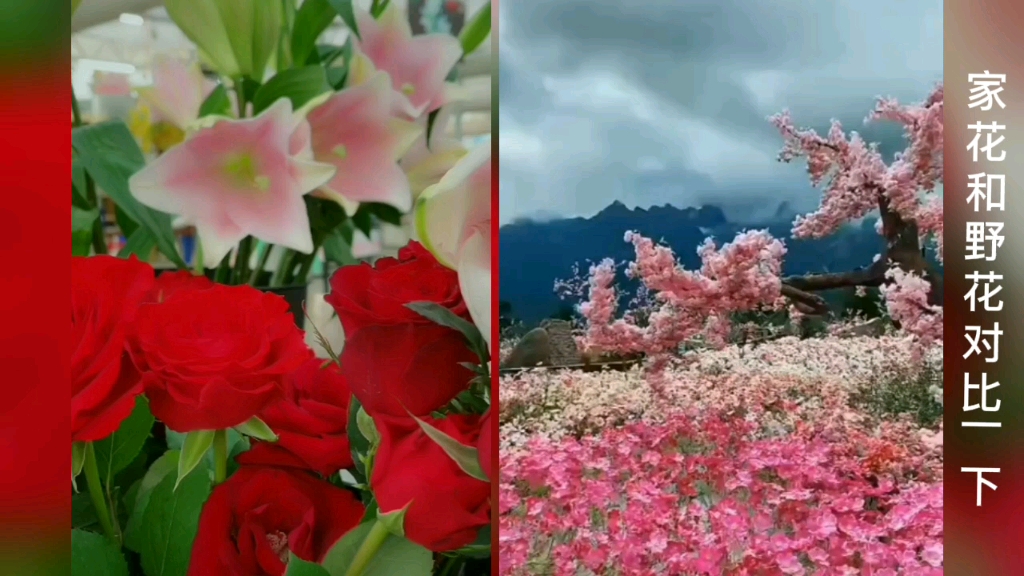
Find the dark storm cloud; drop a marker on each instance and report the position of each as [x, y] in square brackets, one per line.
[660, 101]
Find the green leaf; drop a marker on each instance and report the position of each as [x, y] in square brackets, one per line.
[163, 467]
[77, 458]
[249, 88]
[217, 103]
[78, 183]
[196, 445]
[337, 250]
[82, 220]
[236, 445]
[377, 7]
[360, 444]
[394, 521]
[326, 54]
[140, 243]
[299, 567]
[363, 219]
[117, 451]
[336, 76]
[94, 555]
[465, 456]
[170, 523]
[344, 9]
[386, 213]
[110, 155]
[324, 217]
[478, 29]
[83, 515]
[445, 317]
[312, 18]
[396, 555]
[431, 120]
[126, 224]
[300, 85]
[258, 429]
[367, 427]
[81, 243]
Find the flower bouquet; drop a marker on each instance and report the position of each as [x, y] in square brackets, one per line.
[284, 148]
[207, 437]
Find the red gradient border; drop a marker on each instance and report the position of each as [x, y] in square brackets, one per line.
[983, 35]
[35, 430]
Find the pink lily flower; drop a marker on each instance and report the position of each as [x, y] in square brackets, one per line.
[178, 91]
[453, 221]
[418, 65]
[236, 178]
[355, 131]
[426, 165]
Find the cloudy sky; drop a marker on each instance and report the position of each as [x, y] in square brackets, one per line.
[665, 101]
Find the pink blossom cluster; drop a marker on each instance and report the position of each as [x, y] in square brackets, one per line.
[857, 179]
[741, 275]
[794, 381]
[572, 288]
[906, 299]
[703, 493]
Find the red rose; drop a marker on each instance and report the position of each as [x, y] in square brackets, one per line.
[169, 283]
[312, 422]
[395, 359]
[483, 445]
[447, 507]
[251, 522]
[106, 293]
[214, 358]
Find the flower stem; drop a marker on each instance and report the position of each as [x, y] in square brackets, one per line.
[220, 456]
[198, 268]
[223, 273]
[261, 264]
[284, 268]
[99, 501]
[240, 273]
[368, 549]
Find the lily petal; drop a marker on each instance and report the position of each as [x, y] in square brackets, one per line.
[449, 211]
[426, 165]
[312, 175]
[355, 132]
[178, 91]
[475, 277]
[235, 178]
[418, 65]
[361, 69]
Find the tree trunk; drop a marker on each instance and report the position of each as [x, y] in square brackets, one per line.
[902, 247]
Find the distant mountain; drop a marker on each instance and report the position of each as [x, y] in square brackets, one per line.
[534, 254]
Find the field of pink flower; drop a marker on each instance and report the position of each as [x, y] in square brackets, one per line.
[819, 456]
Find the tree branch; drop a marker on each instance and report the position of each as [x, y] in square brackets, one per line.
[873, 276]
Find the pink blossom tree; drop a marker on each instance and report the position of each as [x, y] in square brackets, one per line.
[746, 274]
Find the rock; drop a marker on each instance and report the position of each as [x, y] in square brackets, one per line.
[564, 351]
[534, 349]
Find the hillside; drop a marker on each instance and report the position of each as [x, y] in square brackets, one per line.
[534, 254]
